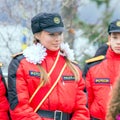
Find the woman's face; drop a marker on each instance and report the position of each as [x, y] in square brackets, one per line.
[114, 40]
[51, 41]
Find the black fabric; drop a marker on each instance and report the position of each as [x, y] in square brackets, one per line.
[54, 114]
[51, 22]
[12, 96]
[102, 50]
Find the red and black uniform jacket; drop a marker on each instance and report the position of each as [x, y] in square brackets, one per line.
[100, 77]
[24, 78]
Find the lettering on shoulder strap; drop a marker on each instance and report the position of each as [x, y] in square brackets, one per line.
[101, 57]
[17, 54]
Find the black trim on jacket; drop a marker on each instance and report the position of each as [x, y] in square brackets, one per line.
[13, 66]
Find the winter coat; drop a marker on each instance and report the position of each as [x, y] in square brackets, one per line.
[24, 78]
[100, 77]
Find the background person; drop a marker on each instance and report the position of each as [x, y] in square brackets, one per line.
[102, 49]
[101, 73]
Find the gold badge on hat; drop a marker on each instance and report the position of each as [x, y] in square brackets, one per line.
[118, 23]
[56, 20]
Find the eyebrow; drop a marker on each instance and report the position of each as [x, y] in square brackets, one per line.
[116, 33]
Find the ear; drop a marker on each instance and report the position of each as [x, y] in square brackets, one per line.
[37, 36]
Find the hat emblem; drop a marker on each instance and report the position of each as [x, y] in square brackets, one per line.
[118, 23]
[56, 20]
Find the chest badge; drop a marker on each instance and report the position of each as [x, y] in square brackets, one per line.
[34, 73]
[102, 81]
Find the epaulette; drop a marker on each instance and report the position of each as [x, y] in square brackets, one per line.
[94, 59]
[1, 64]
[17, 54]
[108, 43]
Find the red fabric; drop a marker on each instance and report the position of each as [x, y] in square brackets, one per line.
[44, 90]
[4, 106]
[100, 93]
[67, 96]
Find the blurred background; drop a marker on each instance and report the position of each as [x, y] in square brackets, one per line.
[86, 23]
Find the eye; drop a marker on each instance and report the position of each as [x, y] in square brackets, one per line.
[60, 33]
[51, 34]
[115, 37]
[55, 34]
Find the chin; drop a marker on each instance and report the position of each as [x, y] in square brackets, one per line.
[117, 52]
[56, 48]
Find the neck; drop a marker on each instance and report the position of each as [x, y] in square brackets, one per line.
[52, 53]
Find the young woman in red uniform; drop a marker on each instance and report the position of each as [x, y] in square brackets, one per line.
[43, 82]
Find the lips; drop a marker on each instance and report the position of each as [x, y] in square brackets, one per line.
[117, 48]
[56, 44]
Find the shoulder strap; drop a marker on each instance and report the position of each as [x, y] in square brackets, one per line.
[94, 59]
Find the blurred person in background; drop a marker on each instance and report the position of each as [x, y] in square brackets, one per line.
[4, 105]
[43, 82]
[99, 54]
[113, 111]
[101, 73]
[102, 49]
